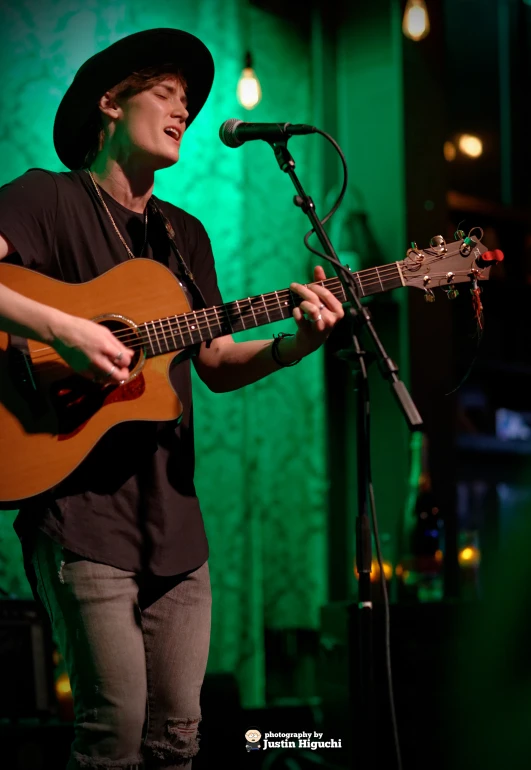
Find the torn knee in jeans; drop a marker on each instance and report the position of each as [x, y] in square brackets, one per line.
[95, 763]
[182, 745]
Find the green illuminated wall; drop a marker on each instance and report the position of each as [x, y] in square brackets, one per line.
[261, 467]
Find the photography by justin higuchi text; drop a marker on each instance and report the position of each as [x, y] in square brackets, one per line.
[254, 741]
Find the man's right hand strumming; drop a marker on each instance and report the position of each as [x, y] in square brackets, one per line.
[90, 348]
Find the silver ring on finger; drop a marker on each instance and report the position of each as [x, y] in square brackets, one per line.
[319, 318]
[111, 372]
[118, 357]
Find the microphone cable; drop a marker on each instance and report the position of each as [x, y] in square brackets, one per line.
[339, 197]
[387, 618]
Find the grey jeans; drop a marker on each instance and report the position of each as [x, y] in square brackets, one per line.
[136, 650]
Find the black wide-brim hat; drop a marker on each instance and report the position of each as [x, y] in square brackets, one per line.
[73, 132]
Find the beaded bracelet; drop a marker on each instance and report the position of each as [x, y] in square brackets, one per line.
[277, 338]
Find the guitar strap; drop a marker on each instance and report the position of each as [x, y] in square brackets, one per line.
[187, 273]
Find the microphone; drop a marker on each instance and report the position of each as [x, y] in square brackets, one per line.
[235, 132]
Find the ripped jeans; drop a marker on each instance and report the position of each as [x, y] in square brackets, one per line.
[136, 651]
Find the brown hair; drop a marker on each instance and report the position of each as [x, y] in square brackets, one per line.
[132, 85]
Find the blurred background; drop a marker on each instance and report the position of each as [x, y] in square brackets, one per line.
[429, 101]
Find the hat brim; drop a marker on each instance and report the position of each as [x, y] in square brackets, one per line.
[73, 131]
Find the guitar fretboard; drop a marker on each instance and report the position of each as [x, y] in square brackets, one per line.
[178, 332]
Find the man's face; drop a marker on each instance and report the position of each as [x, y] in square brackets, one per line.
[253, 736]
[151, 124]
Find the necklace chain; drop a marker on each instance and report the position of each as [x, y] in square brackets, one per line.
[118, 233]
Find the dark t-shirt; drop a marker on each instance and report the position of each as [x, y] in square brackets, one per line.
[131, 503]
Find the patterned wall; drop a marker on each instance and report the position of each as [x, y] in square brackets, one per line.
[261, 454]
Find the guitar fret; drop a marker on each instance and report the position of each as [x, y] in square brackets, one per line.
[164, 335]
[400, 273]
[175, 345]
[205, 316]
[156, 335]
[342, 292]
[336, 287]
[359, 281]
[287, 305]
[149, 339]
[285, 309]
[218, 321]
[181, 331]
[279, 305]
[265, 306]
[189, 329]
[378, 274]
[197, 327]
[252, 311]
[229, 322]
[240, 313]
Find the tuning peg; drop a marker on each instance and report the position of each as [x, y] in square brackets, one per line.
[429, 296]
[466, 247]
[459, 235]
[414, 245]
[452, 293]
[438, 242]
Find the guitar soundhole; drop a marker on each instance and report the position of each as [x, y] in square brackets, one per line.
[127, 335]
[76, 399]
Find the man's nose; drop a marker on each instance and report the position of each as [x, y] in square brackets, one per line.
[181, 112]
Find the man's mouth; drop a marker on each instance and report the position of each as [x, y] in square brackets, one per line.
[174, 133]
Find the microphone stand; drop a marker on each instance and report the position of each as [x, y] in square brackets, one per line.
[359, 318]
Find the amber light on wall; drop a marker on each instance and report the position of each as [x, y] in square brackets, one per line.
[470, 145]
[375, 570]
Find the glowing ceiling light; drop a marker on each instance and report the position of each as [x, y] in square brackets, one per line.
[249, 91]
[470, 145]
[416, 22]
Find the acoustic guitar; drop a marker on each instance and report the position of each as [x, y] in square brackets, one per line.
[51, 417]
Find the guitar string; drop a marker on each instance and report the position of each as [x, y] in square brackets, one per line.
[183, 327]
[146, 342]
[208, 315]
[174, 323]
[194, 327]
[272, 301]
[143, 344]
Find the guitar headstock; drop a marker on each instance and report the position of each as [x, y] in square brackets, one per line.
[444, 264]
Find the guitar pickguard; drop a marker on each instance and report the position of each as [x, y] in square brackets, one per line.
[76, 399]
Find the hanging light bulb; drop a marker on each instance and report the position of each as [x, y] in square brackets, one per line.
[416, 23]
[249, 91]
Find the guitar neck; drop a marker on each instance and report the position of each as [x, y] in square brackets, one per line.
[172, 333]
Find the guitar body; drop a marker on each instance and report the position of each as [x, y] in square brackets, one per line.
[50, 417]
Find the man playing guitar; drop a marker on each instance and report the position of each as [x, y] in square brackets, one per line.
[117, 551]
